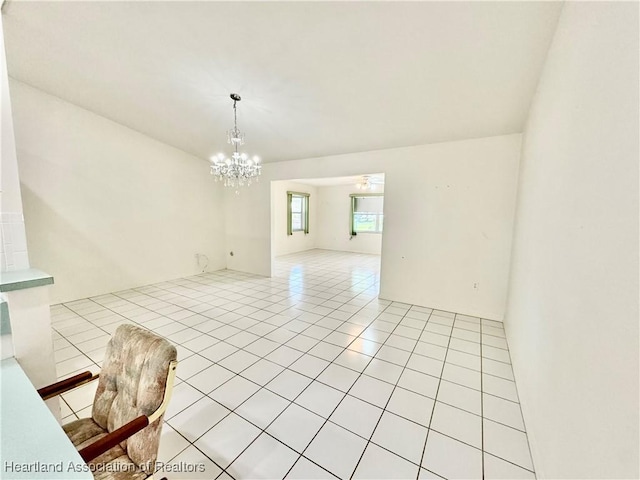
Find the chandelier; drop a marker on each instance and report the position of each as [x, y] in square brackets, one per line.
[239, 169]
[364, 184]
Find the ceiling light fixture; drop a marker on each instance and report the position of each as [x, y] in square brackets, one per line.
[239, 169]
[364, 184]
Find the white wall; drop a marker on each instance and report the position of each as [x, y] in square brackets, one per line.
[334, 212]
[31, 337]
[107, 208]
[448, 220]
[284, 244]
[13, 247]
[572, 317]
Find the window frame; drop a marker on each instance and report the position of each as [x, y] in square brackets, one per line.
[379, 224]
[305, 212]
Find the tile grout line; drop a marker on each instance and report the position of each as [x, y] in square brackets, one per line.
[224, 470]
[238, 374]
[444, 363]
[384, 409]
[217, 362]
[349, 389]
[304, 389]
[533, 467]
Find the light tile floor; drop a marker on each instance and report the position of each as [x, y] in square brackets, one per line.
[309, 375]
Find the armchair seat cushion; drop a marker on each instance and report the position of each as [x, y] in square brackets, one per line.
[111, 465]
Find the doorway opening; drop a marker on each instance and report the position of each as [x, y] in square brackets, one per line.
[336, 214]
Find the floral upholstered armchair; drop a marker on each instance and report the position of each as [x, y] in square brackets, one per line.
[120, 440]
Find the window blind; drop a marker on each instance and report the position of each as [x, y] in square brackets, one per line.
[368, 204]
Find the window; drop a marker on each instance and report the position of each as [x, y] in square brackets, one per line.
[366, 213]
[297, 212]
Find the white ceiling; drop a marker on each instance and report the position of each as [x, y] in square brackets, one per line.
[316, 78]
[375, 179]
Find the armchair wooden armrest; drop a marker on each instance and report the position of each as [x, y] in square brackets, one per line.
[65, 385]
[109, 441]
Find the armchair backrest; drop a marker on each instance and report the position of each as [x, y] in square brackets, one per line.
[133, 381]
